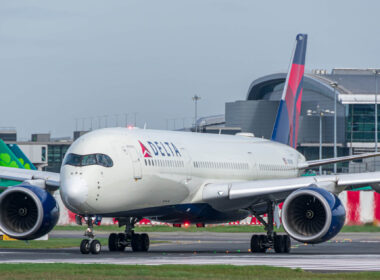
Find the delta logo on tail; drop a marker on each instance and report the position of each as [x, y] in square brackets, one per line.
[286, 126]
[145, 151]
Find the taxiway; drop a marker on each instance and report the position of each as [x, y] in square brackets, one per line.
[346, 252]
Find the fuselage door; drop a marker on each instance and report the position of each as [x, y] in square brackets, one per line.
[253, 165]
[136, 162]
[187, 162]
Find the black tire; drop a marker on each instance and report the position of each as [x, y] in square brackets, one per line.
[112, 242]
[95, 247]
[136, 243]
[278, 244]
[263, 239]
[144, 242]
[121, 242]
[85, 246]
[255, 244]
[287, 244]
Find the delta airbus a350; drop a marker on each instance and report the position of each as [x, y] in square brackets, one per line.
[179, 177]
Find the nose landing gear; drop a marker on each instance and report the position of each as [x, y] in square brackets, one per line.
[90, 244]
[138, 242]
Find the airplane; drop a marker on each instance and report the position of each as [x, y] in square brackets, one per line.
[185, 177]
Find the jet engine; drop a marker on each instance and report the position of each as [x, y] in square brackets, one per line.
[313, 215]
[27, 212]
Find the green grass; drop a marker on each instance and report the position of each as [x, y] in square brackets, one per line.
[52, 243]
[209, 272]
[363, 228]
[242, 228]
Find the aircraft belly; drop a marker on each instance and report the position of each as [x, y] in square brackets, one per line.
[180, 213]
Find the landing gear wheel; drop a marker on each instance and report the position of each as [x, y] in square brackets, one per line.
[95, 247]
[112, 242]
[121, 241]
[263, 240]
[278, 243]
[287, 243]
[258, 243]
[144, 242]
[136, 243]
[255, 244]
[282, 243]
[85, 246]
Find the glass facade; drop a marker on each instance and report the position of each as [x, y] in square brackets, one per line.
[56, 152]
[360, 123]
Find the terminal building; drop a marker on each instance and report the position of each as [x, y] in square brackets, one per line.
[356, 93]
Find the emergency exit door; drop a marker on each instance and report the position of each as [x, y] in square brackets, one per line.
[136, 162]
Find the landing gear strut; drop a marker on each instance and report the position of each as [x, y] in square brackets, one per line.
[90, 244]
[138, 242]
[260, 243]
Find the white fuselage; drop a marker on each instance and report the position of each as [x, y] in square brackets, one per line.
[152, 169]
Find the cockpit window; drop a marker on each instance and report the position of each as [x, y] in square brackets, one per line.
[104, 160]
[88, 160]
[73, 159]
[85, 160]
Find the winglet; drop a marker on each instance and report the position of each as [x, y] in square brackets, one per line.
[286, 126]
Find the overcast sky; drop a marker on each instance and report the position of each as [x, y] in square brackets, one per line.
[62, 60]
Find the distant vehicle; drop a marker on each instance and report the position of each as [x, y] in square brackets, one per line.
[183, 177]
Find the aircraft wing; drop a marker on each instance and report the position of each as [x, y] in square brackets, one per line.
[253, 192]
[314, 163]
[51, 179]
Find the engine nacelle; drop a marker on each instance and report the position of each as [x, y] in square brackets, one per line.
[313, 215]
[27, 212]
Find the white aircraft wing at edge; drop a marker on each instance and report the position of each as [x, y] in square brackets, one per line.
[279, 189]
[51, 179]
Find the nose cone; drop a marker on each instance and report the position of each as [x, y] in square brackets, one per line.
[74, 193]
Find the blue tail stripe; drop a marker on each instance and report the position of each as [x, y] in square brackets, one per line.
[300, 52]
[282, 128]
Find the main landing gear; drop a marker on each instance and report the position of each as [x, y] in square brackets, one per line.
[90, 244]
[260, 243]
[138, 242]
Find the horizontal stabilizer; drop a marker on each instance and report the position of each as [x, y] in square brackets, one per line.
[319, 162]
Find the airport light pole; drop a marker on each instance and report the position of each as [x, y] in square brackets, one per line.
[335, 85]
[376, 72]
[195, 99]
[319, 112]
